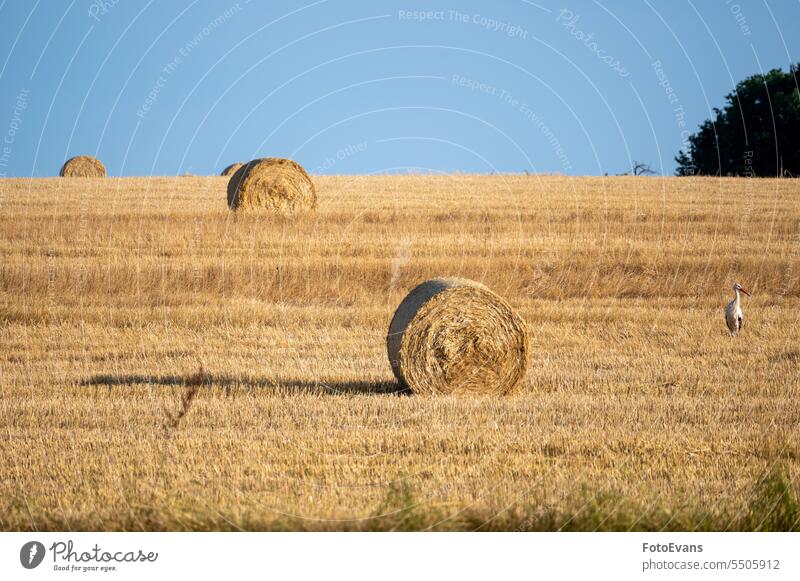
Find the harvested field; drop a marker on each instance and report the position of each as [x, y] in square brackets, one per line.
[169, 364]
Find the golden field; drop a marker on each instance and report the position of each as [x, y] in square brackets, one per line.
[167, 365]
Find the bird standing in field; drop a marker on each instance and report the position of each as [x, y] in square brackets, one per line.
[733, 312]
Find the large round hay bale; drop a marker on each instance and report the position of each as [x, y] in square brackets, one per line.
[451, 335]
[83, 166]
[272, 183]
[231, 169]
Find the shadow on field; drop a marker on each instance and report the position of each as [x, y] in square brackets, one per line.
[230, 383]
[792, 356]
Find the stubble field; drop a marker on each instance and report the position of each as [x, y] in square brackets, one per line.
[166, 365]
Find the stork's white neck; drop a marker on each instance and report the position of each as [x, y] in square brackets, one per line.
[738, 298]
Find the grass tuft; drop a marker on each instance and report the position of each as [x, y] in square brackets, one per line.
[775, 505]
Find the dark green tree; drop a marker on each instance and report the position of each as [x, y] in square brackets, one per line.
[757, 133]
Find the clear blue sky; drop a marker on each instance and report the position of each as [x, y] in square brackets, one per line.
[350, 87]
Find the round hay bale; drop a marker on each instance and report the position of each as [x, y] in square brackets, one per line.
[272, 183]
[83, 166]
[452, 335]
[231, 169]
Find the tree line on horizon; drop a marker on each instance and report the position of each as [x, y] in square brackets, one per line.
[756, 133]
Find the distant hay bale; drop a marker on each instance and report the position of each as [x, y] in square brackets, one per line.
[231, 169]
[451, 335]
[83, 166]
[276, 184]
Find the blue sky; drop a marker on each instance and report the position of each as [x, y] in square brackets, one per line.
[576, 87]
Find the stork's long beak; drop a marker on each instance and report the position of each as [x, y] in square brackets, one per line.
[745, 292]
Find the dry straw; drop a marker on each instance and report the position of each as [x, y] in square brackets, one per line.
[451, 335]
[275, 184]
[231, 169]
[83, 166]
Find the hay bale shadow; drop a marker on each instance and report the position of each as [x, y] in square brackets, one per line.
[230, 382]
[791, 356]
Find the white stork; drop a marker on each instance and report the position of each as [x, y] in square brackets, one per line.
[733, 312]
